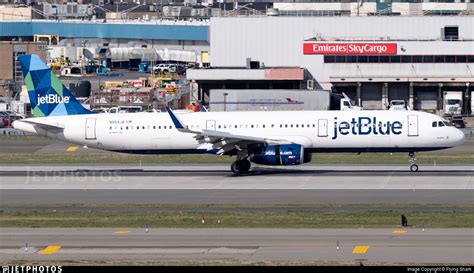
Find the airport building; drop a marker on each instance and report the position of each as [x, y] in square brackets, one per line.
[11, 77]
[373, 59]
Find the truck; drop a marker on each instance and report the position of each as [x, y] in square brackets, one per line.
[277, 100]
[397, 105]
[125, 109]
[452, 103]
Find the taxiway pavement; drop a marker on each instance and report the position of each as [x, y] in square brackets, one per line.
[384, 245]
[214, 184]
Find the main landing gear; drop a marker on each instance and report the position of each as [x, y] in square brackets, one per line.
[240, 166]
[412, 160]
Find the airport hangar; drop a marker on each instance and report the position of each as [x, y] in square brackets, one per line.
[372, 59]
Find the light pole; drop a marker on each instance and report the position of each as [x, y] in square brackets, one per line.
[225, 100]
[83, 64]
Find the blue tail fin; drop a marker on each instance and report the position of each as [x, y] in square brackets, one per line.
[48, 96]
[202, 108]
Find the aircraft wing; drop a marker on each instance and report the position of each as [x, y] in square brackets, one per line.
[224, 141]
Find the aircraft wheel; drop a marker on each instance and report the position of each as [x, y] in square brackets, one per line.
[245, 165]
[236, 167]
[414, 168]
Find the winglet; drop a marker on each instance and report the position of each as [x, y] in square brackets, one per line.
[177, 123]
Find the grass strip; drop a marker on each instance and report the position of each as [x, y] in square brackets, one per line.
[236, 219]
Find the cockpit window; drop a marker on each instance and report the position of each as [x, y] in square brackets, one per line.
[440, 124]
[446, 123]
[434, 124]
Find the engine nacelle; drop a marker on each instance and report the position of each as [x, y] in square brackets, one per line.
[287, 154]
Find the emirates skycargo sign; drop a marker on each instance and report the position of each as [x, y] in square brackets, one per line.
[350, 48]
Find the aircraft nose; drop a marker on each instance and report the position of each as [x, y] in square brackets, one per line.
[458, 137]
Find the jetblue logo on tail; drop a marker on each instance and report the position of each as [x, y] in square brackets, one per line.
[366, 126]
[48, 96]
[52, 99]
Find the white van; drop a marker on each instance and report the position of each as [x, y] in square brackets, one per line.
[125, 109]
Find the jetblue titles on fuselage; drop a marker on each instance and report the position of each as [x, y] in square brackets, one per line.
[366, 126]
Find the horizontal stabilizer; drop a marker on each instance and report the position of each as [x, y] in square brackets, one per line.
[43, 125]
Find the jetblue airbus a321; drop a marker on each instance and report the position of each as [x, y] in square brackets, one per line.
[267, 138]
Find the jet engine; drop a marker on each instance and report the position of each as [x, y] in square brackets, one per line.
[286, 154]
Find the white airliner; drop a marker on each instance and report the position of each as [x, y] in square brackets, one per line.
[267, 138]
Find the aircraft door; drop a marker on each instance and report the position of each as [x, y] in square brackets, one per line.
[322, 127]
[412, 125]
[90, 128]
[211, 125]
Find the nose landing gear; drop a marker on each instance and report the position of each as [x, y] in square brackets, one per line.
[412, 160]
[240, 166]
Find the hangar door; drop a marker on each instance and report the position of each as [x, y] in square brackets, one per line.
[90, 128]
[426, 99]
[371, 95]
